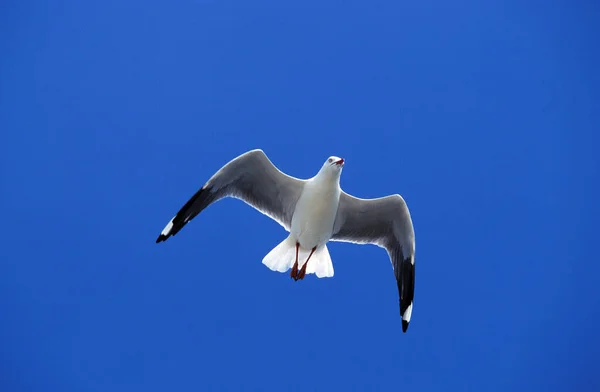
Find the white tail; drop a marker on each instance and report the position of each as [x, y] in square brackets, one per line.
[282, 258]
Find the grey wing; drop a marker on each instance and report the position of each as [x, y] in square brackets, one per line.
[385, 222]
[251, 177]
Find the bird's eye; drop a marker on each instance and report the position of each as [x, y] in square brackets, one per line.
[330, 160]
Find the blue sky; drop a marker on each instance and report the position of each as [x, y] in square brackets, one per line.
[483, 115]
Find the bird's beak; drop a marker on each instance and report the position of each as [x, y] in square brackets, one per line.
[340, 162]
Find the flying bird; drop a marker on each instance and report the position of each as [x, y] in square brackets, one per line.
[313, 211]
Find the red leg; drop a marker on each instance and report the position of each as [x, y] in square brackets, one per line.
[294, 273]
[303, 269]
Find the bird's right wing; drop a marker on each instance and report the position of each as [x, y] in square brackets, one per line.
[251, 177]
[385, 222]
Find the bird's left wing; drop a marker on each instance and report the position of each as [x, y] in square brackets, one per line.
[385, 222]
[250, 177]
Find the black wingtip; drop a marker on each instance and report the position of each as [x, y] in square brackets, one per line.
[405, 276]
[197, 203]
[404, 326]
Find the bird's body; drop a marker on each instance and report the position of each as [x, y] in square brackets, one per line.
[314, 215]
[311, 227]
[314, 212]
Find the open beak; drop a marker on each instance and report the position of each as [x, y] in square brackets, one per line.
[340, 162]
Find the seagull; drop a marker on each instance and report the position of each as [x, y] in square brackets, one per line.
[313, 212]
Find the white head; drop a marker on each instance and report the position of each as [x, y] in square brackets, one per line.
[333, 166]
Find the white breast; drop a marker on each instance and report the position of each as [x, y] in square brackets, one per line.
[312, 223]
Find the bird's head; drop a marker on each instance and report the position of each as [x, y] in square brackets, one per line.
[333, 166]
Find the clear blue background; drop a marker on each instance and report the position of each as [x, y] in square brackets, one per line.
[483, 115]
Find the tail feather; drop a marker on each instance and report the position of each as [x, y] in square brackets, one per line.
[320, 263]
[282, 258]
